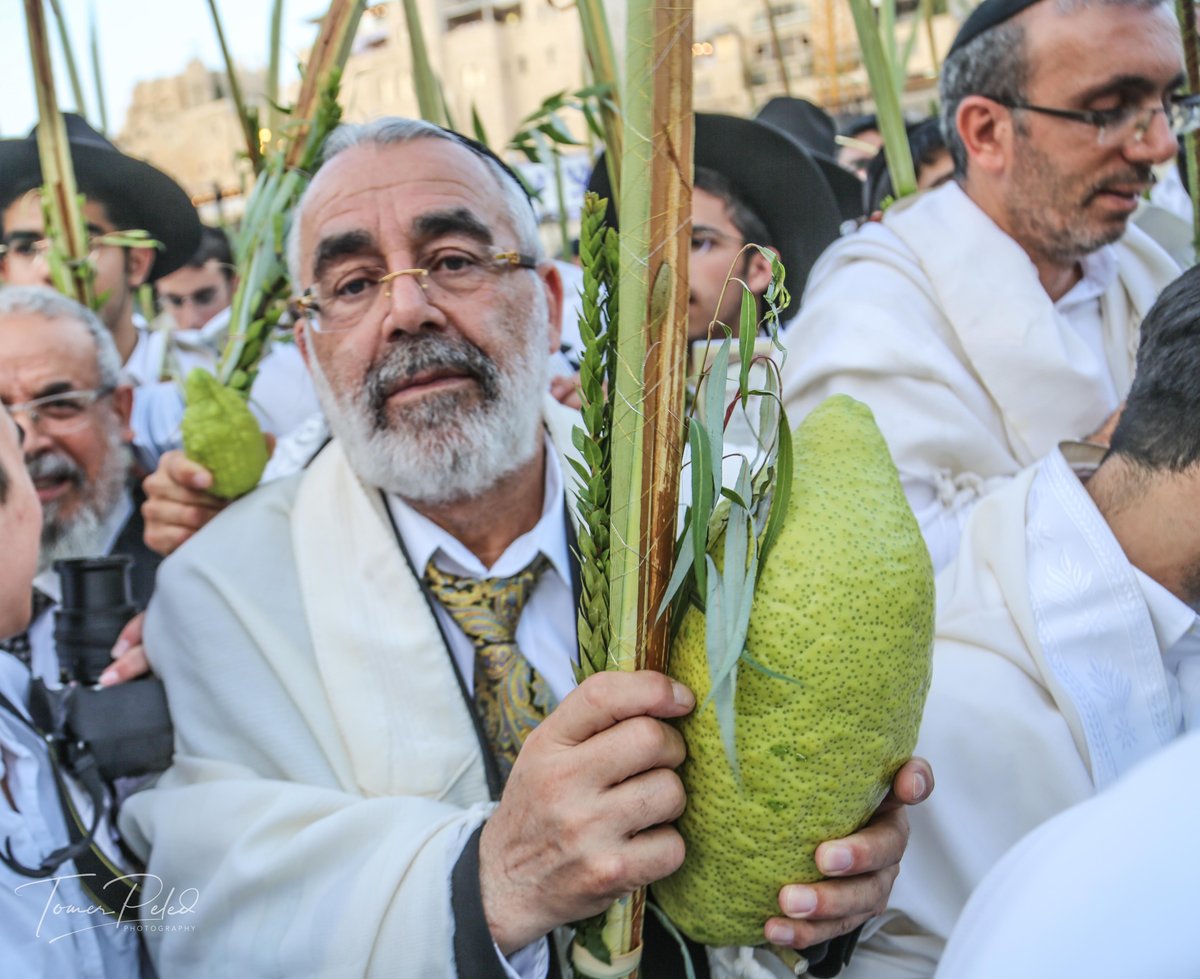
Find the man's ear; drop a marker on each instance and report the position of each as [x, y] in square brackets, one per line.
[138, 262]
[123, 406]
[758, 270]
[552, 283]
[300, 335]
[986, 129]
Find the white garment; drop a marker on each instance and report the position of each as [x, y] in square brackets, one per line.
[937, 320]
[1107, 889]
[45, 928]
[1049, 681]
[139, 366]
[323, 745]
[326, 769]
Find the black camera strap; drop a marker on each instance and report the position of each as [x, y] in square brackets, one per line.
[106, 883]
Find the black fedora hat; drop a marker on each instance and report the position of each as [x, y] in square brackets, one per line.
[812, 126]
[150, 199]
[776, 177]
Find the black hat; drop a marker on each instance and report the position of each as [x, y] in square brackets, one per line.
[814, 129]
[989, 14]
[804, 121]
[776, 177]
[151, 199]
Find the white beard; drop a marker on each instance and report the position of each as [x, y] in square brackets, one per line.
[448, 447]
[86, 535]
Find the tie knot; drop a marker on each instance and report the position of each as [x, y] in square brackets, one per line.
[486, 609]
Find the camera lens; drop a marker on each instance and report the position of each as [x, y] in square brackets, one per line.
[94, 582]
[96, 604]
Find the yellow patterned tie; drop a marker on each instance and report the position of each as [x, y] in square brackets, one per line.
[510, 695]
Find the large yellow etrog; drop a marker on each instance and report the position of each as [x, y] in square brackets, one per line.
[845, 607]
[222, 434]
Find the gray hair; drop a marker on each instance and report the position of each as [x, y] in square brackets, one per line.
[45, 302]
[995, 64]
[393, 130]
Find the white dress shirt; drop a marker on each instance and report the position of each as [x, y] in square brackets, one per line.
[1177, 626]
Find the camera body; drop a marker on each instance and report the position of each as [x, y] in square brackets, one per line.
[126, 729]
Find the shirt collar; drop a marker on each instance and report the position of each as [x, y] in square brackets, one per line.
[1171, 618]
[424, 539]
[1099, 273]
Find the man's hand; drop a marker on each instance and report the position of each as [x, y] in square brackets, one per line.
[129, 655]
[586, 814]
[177, 504]
[866, 862]
[565, 389]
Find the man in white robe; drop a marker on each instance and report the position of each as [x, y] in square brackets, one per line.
[1107, 889]
[1068, 642]
[987, 320]
[333, 796]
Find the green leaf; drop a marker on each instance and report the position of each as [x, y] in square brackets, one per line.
[721, 673]
[781, 493]
[747, 330]
[714, 410]
[477, 125]
[754, 664]
[733, 497]
[684, 557]
[702, 497]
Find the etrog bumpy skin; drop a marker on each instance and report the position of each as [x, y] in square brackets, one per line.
[845, 607]
[222, 434]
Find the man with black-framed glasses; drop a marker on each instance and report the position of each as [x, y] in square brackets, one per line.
[60, 382]
[989, 319]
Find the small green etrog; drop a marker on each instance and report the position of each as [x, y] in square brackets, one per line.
[222, 434]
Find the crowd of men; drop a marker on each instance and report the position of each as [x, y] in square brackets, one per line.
[383, 762]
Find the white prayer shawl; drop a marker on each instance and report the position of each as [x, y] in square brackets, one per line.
[936, 319]
[1107, 889]
[326, 768]
[1048, 683]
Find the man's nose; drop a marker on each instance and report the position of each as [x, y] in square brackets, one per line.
[35, 440]
[1157, 144]
[39, 267]
[190, 317]
[408, 306]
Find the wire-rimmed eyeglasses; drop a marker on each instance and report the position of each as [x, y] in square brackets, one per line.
[63, 412]
[343, 298]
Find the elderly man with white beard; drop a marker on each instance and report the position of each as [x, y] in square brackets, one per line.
[60, 379]
[355, 655]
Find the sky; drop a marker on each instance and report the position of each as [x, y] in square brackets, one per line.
[140, 40]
